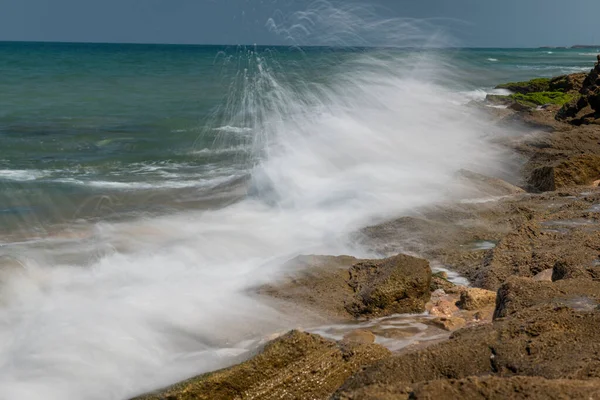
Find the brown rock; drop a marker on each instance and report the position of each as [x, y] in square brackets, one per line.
[395, 285]
[295, 366]
[520, 293]
[449, 323]
[568, 83]
[475, 299]
[437, 282]
[544, 276]
[584, 109]
[343, 287]
[569, 270]
[443, 308]
[546, 341]
[577, 170]
[485, 388]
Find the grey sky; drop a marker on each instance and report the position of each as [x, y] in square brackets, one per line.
[478, 23]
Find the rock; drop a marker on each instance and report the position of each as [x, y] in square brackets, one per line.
[525, 388]
[586, 108]
[396, 285]
[521, 293]
[475, 299]
[499, 100]
[577, 170]
[443, 308]
[567, 83]
[565, 270]
[544, 276]
[439, 281]
[544, 341]
[534, 85]
[449, 323]
[296, 366]
[318, 284]
[536, 246]
[345, 287]
[360, 336]
[488, 185]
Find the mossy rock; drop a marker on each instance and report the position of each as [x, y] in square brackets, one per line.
[541, 98]
[534, 85]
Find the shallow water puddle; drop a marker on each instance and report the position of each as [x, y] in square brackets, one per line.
[565, 226]
[480, 245]
[395, 332]
[595, 208]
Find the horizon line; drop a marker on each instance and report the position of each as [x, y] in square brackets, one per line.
[284, 45]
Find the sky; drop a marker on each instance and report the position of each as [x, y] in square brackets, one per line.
[466, 23]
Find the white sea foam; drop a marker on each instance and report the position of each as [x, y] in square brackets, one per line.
[21, 174]
[172, 299]
[480, 94]
[493, 59]
[233, 129]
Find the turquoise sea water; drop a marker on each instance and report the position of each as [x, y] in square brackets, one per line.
[146, 123]
[147, 190]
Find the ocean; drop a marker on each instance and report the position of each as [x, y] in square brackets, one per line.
[146, 189]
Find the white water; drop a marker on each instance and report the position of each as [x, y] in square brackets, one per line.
[166, 298]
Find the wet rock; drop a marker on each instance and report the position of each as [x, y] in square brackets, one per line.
[577, 170]
[443, 308]
[296, 366]
[488, 185]
[484, 388]
[395, 285]
[566, 270]
[439, 280]
[449, 323]
[475, 299]
[545, 341]
[345, 287]
[521, 293]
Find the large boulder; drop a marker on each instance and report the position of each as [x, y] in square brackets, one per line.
[296, 366]
[395, 285]
[345, 287]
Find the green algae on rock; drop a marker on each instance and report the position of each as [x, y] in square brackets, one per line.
[534, 85]
[534, 99]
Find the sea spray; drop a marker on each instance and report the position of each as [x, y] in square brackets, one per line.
[168, 297]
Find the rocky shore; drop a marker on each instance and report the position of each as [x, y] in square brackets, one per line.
[527, 325]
